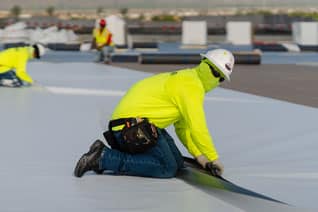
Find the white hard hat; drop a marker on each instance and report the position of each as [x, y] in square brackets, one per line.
[222, 59]
[39, 50]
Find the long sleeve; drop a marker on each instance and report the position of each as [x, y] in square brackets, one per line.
[21, 70]
[195, 133]
[184, 135]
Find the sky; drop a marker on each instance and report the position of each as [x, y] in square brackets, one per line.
[93, 4]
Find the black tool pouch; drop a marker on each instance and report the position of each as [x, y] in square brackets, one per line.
[137, 137]
[111, 140]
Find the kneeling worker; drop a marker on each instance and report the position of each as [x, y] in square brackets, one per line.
[13, 62]
[140, 144]
[103, 42]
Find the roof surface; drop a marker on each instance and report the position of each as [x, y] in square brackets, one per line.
[266, 145]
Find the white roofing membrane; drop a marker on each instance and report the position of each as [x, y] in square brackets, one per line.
[267, 146]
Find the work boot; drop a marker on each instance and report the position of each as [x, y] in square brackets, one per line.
[90, 160]
[8, 83]
[98, 144]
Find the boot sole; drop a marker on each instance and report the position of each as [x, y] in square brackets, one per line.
[81, 164]
[79, 169]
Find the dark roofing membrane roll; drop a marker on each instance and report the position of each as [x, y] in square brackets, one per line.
[125, 58]
[171, 58]
[146, 45]
[274, 47]
[64, 47]
[309, 48]
[12, 45]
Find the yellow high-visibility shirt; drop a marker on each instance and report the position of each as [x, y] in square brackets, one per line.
[103, 37]
[16, 59]
[174, 98]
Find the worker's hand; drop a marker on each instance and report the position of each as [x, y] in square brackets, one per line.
[202, 160]
[26, 84]
[215, 167]
[100, 47]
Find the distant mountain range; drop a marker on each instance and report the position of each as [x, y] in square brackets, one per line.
[197, 4]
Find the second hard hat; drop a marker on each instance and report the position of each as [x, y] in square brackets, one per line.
[39, 50]
[102, 22]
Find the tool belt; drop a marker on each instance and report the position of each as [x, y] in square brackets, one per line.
[138, 135]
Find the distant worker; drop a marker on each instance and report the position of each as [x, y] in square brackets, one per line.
[13, 62]
[102, 42]
[140, 144]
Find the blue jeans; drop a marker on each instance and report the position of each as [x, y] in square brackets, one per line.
[10, 79]
[161, 161]
[104, 54]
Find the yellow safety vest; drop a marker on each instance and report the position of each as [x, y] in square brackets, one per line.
[174, 98]
[16, 59]
[103, 37]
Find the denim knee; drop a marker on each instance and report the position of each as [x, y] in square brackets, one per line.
[170, 170]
